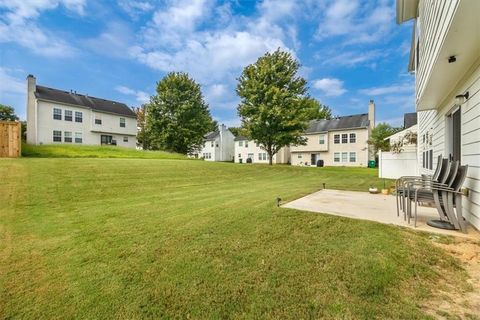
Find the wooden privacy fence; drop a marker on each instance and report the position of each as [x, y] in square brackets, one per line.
[10, 139]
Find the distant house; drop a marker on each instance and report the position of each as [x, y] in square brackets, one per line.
[218, 145]
[341, 141]
[249, 151]
[56, 116]
[445, 58]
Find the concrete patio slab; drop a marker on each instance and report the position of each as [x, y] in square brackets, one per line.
[374, 207]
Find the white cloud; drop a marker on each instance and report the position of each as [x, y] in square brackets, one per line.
[140, 96]
[18, 25]
[112, 41]
[330, 87]
[396, 88]
[350, 58]
[10, 84]
[135, 8]
[358, 22]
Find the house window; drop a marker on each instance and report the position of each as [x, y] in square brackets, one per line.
[125, 139]
[57, 114]
[57, 136]
[299, 156]
[344, 138]
[257, 144]
[262, 156]
[353, 157]
[353, 137]
[78, 137]
[122, 122]
[98, 121]
[67, 136]
[321, 139]
[246, 144]
[344, 156]
[240, 143]
[216, 145]
[211, 144]
[239, 155]
[78, 116]
[68, 115]
[336, 157]
[336, 139]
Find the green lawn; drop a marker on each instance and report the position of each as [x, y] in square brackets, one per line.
[75, 151]
[147, 238]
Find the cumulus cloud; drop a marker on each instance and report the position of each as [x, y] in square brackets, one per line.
[330, 87]
[18, 25]
[112, 41]
[10, 84]
[140, 96]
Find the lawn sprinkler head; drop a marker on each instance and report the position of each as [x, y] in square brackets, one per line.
[278, 201]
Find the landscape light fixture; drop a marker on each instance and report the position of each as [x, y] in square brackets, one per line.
[452, 59]
[461, 98]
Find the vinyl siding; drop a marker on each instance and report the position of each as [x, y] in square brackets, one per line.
[434, 20]
[434, 122]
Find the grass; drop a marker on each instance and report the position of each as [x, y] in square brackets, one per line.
[146, 238]
[84, 151]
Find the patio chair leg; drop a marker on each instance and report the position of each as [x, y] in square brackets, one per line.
[449, 210]
[458, 206]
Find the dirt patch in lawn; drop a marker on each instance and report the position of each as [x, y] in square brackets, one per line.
[451, 304]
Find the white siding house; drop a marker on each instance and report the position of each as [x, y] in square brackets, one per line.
[56, 116]
[218, 145]
[248, 151]
[445, 58]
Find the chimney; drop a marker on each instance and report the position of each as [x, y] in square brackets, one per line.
[31, 110]
[371, 113]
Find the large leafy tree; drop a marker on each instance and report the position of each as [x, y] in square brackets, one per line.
[319, 111]
[378, 135]
[177, 117]
[7, 113]
[274, 106]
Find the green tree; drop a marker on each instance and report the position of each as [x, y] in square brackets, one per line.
[274, 106]
[319, 111]
[378, 135]
[7, 113]
[177, 117]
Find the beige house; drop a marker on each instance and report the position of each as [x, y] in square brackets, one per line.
[56, 116]
[337, 142]
[248, 151]
[445, 58]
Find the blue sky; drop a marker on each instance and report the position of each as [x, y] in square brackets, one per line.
[351, 51]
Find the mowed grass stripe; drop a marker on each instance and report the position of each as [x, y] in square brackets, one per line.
[140, 238]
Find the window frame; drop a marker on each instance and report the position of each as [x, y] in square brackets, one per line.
[350, 157]
[354, 135]
[240, 143]
[78, 116]
[125, 139]
[321, 139]
[344, 159]
[57, 114]
[344, 138]
[68, 117]
[98, 121]
[336, 157]
[68, 136]
[124, 122]
[336, 138]
[78, 137]
[57, 136]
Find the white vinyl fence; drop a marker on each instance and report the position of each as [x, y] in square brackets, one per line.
[394, 165]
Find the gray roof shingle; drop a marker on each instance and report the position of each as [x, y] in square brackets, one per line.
[346, 122]
[97, 104]
[211, 135]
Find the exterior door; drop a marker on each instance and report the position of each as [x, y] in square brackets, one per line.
[455, 136]
[313, 159]
[104, 139]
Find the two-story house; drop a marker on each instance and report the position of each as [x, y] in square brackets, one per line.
[218, 145]
[57, 116]
[249, 151]
[445, 58]
[341, 141]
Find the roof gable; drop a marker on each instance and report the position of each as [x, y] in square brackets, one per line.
[96, 104]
